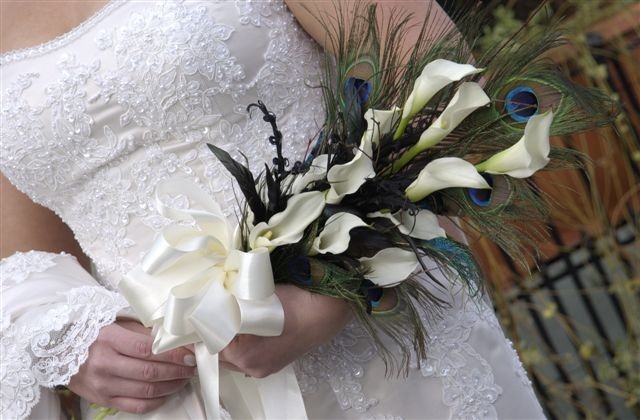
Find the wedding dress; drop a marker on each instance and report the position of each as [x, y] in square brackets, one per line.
[94, 119]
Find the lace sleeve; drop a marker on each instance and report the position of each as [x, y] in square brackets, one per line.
[52, 310]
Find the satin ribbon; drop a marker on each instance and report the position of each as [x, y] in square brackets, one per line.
[195, 287]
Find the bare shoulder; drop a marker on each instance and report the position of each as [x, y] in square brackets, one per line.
[313, 14]
[26, 23]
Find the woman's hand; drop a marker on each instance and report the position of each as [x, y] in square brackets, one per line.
[309, 320]
[121, 372]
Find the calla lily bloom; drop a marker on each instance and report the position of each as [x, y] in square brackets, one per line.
[347, 178]
[467, 99]
[528, 155]
[334, 238]
[380, 122]
[287, 227]
[435, 76]
[445, 173]
[423, 225]
[389, 266]
[316, 172]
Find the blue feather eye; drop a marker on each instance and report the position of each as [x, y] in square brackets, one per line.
[521, 103]
[374, 293]
[482, 197]
[360, 87]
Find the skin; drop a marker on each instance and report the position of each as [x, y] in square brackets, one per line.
[120, 371]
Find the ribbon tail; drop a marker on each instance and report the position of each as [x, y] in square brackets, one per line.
[209, 380]
[240, 396]
[281, 396]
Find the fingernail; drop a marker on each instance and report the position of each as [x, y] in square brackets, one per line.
[189, 360]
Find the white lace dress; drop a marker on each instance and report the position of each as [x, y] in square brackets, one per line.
[93, 120]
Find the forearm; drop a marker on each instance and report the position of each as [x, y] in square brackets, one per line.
[52, 311]
[26, 226]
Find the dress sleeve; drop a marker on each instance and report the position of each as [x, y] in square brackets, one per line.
[52, 310]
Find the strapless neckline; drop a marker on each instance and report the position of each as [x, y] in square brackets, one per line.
[63, 39]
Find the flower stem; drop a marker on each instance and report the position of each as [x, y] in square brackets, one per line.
[401, 127]
[402, 161]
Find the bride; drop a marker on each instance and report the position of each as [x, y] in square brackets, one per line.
[92, 120]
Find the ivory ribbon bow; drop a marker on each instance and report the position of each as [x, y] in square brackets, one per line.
[195, 287]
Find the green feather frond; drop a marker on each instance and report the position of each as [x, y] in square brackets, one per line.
[401, 333]
[337, 280]
[389, 331]
[515, 226]
[523, 62]
[566, 158]
[392, 72]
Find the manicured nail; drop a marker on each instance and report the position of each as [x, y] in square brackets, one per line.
[189, 360]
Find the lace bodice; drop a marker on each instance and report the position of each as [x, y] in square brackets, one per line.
[132, 96]
[92, 121]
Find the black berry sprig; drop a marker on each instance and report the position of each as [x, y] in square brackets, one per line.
[280, 163]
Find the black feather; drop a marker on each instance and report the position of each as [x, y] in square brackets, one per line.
[245, 180]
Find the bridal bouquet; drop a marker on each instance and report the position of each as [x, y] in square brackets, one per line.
[358, 218]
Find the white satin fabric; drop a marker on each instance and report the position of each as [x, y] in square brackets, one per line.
[94, 120]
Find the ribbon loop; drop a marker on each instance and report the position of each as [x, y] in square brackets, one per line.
[254, 278]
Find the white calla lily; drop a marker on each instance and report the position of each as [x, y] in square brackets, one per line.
[444, 173]
[347, 178]
[334, 238]
[435, 76]
[389, 266]
[288, 226]
[380, 122]
[528, 155]
[422, 225]
[467, 99]
[316, 172]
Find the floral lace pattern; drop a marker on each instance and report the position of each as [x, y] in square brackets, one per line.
[60, 342]
[49, 350]
[20, 390]
[340, 363]
[16, 268]
[469, 388]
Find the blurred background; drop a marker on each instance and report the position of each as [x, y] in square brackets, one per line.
[574, 316]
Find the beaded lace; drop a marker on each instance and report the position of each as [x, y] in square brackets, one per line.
[89, 132]
[48, 349]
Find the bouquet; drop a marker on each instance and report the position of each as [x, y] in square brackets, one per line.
[421, 136]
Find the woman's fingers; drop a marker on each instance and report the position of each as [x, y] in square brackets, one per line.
[145, 390]
[149, 371]
[137, 345]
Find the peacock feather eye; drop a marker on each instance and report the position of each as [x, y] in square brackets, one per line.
[498, 196]
[373, 293]
[481, 197]
[521, 103]
[359, 87]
